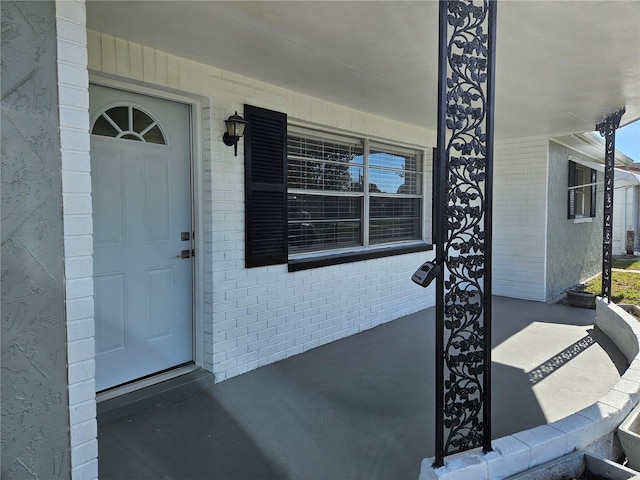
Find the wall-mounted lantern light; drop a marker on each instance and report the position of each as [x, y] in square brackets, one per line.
[235, 130]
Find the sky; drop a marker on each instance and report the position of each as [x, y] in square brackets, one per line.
[628, 140]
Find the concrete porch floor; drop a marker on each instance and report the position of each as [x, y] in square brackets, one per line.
[359, 408]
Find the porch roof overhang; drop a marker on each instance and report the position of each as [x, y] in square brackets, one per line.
[593, 146]
[562, 66]
[621, 178]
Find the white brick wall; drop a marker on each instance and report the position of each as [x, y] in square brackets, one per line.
[73, 93]
[256, 316]
[266, 314]
[519, 218]
[252, 317]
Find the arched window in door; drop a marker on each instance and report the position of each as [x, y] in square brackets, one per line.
[130, 123]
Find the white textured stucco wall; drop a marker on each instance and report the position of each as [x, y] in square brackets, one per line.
[574, 249]
[35, 400]
[252, 317]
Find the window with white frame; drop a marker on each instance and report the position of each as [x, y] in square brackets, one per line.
[582, 191]
[346, 192]
[314, 198]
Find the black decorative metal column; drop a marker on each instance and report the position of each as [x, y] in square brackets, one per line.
[607, 129]
[464, 171]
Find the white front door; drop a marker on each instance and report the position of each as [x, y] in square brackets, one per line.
[142, 231]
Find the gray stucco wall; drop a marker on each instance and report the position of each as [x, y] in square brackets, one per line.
[35, 407]
[574, 250]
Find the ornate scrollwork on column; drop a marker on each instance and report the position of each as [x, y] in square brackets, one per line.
[607, 129]
[463, 218]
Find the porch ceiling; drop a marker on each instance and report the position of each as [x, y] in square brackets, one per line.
[561, 65]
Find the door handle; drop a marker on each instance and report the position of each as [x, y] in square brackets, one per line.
[186, 254]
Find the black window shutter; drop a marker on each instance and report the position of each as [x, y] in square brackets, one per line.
[571, 213]
[265, 163]
[592, 192]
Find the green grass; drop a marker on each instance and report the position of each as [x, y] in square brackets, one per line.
[625, 287]
[626, 264]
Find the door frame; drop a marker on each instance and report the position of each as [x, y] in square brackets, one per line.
[196, 106]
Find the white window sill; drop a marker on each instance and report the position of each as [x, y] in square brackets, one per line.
[583, 220]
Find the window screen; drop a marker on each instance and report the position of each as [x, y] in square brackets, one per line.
[342, 194]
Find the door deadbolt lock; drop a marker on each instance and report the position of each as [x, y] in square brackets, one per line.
[186, 254]
[184, 236]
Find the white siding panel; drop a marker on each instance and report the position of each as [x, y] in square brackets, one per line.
[173, 71]
[623, 217]
[162, 68]
[137, 62]
[108, 53]
[184, 67]
[148, 64]
[95, 58]
[123, 62]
